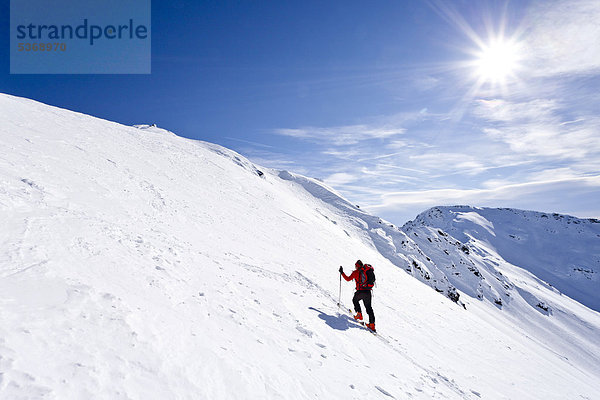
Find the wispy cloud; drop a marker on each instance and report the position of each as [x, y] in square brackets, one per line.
[379, 157]
[563, 37]
[538, 128]
[342, 135]
[341, 178]
[509, 194]
[425, 83]
[347, 153]
[390, 128]
[505, 111]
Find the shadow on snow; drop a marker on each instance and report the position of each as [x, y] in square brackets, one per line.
[341, 322]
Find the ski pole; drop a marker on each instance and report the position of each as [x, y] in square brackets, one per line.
[340, 294]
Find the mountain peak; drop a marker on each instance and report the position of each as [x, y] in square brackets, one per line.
[561, 250]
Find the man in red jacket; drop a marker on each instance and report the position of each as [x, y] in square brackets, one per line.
[365, 278]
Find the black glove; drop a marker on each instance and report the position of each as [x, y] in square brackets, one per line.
[341, 269]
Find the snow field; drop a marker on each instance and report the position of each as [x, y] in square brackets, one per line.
[135, 264]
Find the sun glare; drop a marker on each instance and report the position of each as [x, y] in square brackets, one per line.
[497, 62]
[496, 57]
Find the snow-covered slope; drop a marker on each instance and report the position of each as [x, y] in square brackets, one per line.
[138, 264]
[561, 250]
[387, 239]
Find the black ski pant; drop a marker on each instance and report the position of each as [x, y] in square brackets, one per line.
[365, 296]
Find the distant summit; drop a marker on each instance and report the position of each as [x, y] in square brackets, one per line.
[561, 250]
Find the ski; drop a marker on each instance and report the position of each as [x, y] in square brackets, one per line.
[361, 323]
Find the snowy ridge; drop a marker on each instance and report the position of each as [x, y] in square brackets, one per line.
[152, 128]
[137, 264]
[560, 250]
[393, 243]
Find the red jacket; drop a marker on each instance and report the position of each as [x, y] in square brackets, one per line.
[356, 276]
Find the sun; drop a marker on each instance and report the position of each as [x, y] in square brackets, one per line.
[496, 53]
[497, 62]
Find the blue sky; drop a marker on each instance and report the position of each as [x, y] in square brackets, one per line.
[399, 105]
